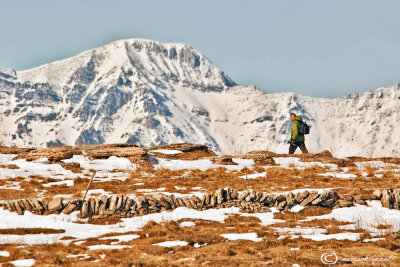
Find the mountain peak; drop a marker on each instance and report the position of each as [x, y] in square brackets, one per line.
[150, 58]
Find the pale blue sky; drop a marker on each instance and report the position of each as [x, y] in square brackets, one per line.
[311, 47]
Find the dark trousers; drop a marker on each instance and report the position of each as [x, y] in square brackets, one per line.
[293, 147]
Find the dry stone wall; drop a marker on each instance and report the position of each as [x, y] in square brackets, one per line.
[247, 201]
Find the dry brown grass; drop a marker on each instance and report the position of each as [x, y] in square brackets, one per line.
[215, 250]
[30, 231]
[383, 226]
[277, 179]
[9, 166]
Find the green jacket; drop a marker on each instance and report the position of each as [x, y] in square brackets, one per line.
[295, 130]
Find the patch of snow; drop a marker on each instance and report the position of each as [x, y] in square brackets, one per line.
[248, 163]
[93, 192]
[105, 176]
[11, 186]
[179, 188]
[376, 239]
[112, 163]
[83, 256]
[65, 196]
[197, 245]
[6, 158]
[23, 263]
[301, 231]
[265, 218]
[202, 165]
[245, 236]
[167, 151]
[187, 224]
[121, 238]
[295, 162]
[35, 168]
[70, 223]
[296, 208]
[30, 239]
[169, 244]
[254, 176]
[4, 254]
[151, 190]
[366, 217]
[373, 164]
[65, 182]
[107, 247]
[173, 164]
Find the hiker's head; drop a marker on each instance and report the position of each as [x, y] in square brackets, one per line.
[292, 116]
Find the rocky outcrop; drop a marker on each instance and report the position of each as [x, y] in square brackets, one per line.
[58, 153]
[53, 154]
[126, 150]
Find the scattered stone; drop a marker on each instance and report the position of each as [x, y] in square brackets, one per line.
[251, 196]
[258, 196]
[377, 193]
[197, 201]
[387, 198]
[113, 203]
[233, 194]
[346, 197]
[396, 194]
[213, 201]
[396, 235]
[243, 195]
[281, 205]
[299, 197]
[27, 205]
[9, 206]
[290, 201]
[322, 199]
[313, 195]
[85, 209]
[18, 208]
[187, 203]
[55, 204]
[342, 203]
[247, 200]
[180, 202]
[119, 202]
[70, 208]
[38, 207]
[221, 195]
[223, 160]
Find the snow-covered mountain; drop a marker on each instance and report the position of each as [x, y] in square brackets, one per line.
[151, 93]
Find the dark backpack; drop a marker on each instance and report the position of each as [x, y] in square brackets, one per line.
[304, 128]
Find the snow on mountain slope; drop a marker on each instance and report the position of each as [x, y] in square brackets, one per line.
[150, 93]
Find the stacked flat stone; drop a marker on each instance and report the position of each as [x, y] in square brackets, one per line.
[247, 200]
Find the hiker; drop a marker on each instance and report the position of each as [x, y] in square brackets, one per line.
[296, 139]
